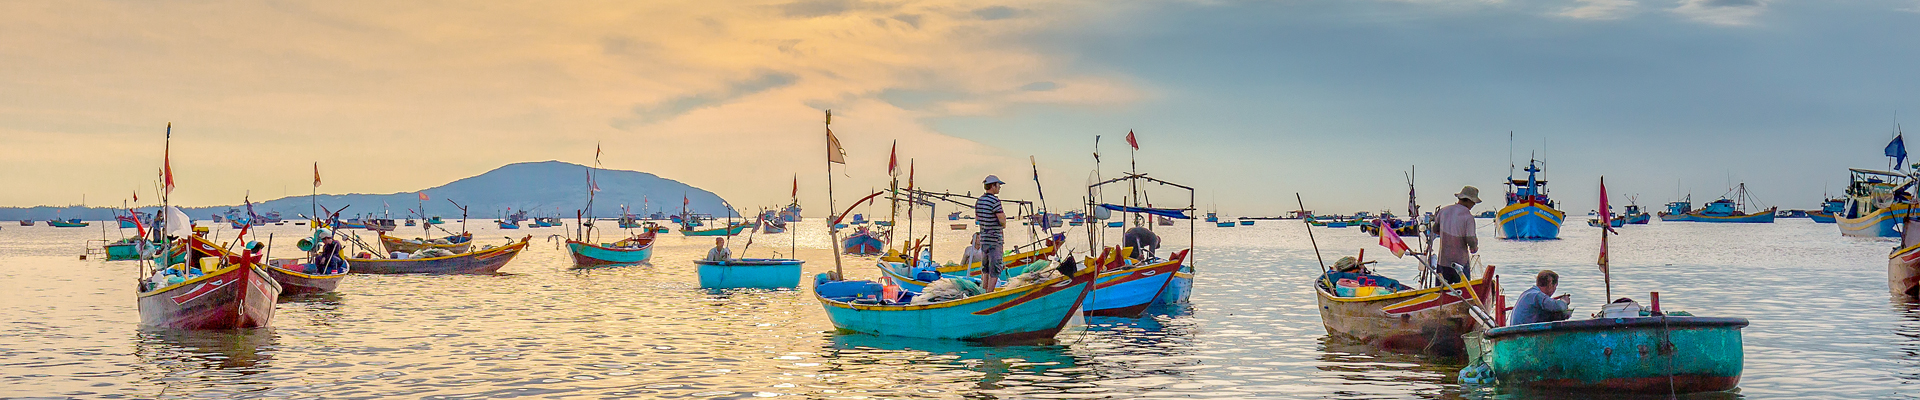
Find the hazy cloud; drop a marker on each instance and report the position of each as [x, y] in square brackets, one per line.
[1722, 12]
[821, 8]
[1600, 9]
[683, 104]
[996, 12]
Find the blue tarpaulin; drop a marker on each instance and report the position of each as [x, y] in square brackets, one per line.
[1164, 212]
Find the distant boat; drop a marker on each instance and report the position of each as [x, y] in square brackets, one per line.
[1678, 211]
[455, 243]
[26, 222]
[730, 230]
[1116, 224]
[1729, 210]
[70, 223]
[1615, 221]
[1530, 213]
[862, 242]
[1871, 208]
[1224, 224]
[959, 227]
[1246, 222]
[1635, 216]
[1828, 210]
[504, 224]
[485, 261]
[1485, 214]
[410, 222]
[1211, 217]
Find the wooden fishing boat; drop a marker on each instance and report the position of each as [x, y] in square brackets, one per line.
[1530, 213]
[509, 224]
[1224, 224]
[226, 296]
[348, 224]
[862, 243]
[894, 267]
[26, 222]
[1246, 222]
[632, 250]
[730, 230]
[1903, 265]
[1645, 355]
[958, 227]
[749, 273]
[133, 248]
[1828, 210]
[1871, 208]
[1012, 315]
[71, 223]
[1126, 290]
[1723, 210]
[410, 222]
[1424, 321]
[435, 220]
[298, 277]
[460, 243]
[483, 261]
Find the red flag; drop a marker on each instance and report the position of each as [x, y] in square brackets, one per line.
[166, 159]
[136, 197]
[1390, 239]
[796, 186]
[893, 159]
[243, 232]
[909, 174]
[316, 174]
[1131, 142]
[139, 228]
[1606, 226]
[684, 201]
[423, 196]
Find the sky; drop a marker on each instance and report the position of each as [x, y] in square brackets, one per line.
[1248, 101]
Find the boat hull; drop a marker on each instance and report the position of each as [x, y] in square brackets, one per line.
[293, 282]
[1879, 223]
[65, 224]
[1762, 217]
[590, 255]
[728, 231]
[1530, 221]
[1128, 292]
[486, 261]
[1821, 217]
[861, 245]
[1426, 321]
[1653, 355]
[237, 297]
[1903, 272]
[1024, 314]
[1179, 289]
[393, 244]
[1675, 217]
[750, 273]
[1639, 219]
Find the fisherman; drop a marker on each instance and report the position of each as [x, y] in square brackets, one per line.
[974, 253]
[1142, 240]
[1538, 304]
[719, 252]
[993, 222]
[1351, 268]
[326, 257]
[1457, 239]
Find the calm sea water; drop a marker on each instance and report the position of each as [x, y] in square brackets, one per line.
[1823, 325]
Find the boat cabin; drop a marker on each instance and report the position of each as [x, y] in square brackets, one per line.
[1530, 190]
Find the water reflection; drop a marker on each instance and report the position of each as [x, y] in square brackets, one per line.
[1908, 328]
[173, 352]
[921, 367]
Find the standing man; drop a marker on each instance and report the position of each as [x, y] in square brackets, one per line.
[1538, 304]
[993, 223]
[1457, 239]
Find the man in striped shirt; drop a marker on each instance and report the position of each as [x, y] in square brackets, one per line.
[993, 224]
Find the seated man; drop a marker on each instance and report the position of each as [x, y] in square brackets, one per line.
[719, 252]
[1538, 303]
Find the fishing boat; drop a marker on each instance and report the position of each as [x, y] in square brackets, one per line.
[70, 223]
[1021, 314]
[1126, 288]
[298, 277]
[133, 248]
[134, 220]
[958, 227]
[347, 224]
[1903, 265]
[1529, 213]
[1828, 210]
[456, 244]
[1213, 217]
[1635, 216]
[1117, 224]
[228, 292]
[1729, 210]
[482, 261]
[26, 222]
[863, 242]
[1485, 214]
[729, 230]
[1679, 211]
[1625, 348]
[1615, 222]
[1423, 321]
[1224, 224]
[1871, 209]
[749, 273]
[435, 220]
[955, 216]
[632, 250]
[411, 222]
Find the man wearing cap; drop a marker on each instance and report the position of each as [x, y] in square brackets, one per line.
[993, 223]
[1457, 239]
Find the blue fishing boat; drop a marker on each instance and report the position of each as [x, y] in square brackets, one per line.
[1871, 209]
[729, 230]
[435, 220]
[1659, 354]
[1529, 213]
[1828, 210]
[1116, 224]
[629, 251]
[506, 224]
[1212, 218]
[70, 223]
[1012, 315]
[1224, 224]
[1616, 221]
[862, 242]
[1729, 210]
[750, 273]
[1125, 288]
[1246, 222]
[1635, 216]
[1678, 211]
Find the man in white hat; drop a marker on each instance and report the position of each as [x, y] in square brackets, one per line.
[993, 224]
[1457, 239]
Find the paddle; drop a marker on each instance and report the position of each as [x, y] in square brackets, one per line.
[1325, 274]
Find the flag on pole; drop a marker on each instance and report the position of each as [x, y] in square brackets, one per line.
[796, 186]
[316, 174]
[835, 154]
[684, 200]
[1898, 150]
[136, 198]
[423, 196]
[1606, 227]
[1096, 148]
[596, 153]
[1131, 142]
[166, 161]
[909, 176]
[1390, 239]
[893, 159]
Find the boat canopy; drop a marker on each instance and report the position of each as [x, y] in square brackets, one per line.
[1875, 172]
[1164, 212]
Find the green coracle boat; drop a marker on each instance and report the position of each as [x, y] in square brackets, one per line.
[1653, 354]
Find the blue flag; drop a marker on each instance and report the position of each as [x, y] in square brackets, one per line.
[1898, 150]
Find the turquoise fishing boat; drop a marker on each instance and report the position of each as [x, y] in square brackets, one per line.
[1678, 211]
[1212, 218]
[862, 243]
[1116, 224]
[1010, 315]
[1246, 222]
[1125, 289]
[435, 220]
[1646, 355]
[629, 251]
[1224, 224]
[1828, 210]
[506, 224]
[1636, 216]
[133, 248]
[1729, 210]
[1529, 213]
[750, 273]
[730, 230]
[70, 223]
[1871, 209]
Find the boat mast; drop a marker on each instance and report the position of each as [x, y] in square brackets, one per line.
[833, 151]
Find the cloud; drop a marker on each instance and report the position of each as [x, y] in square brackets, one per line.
[996, 12]
[1722, 12]
[822, 8]
[1600, 9]
[680, 105]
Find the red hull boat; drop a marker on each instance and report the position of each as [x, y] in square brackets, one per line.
[293, 282]
[236, 295]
